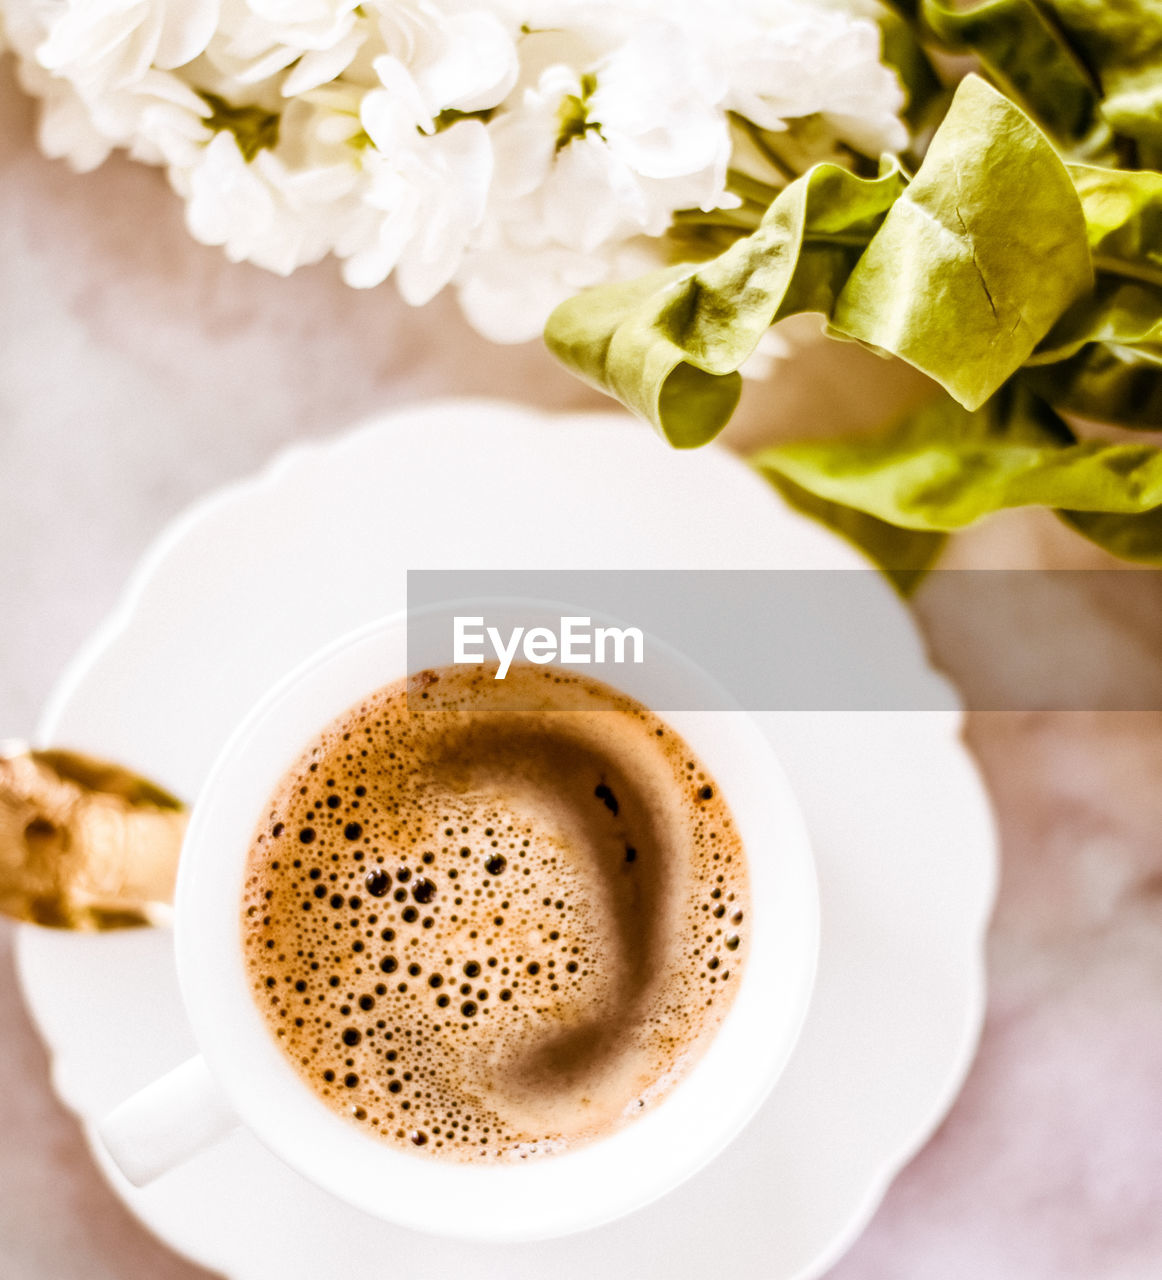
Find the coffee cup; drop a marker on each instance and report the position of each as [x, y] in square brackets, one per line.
[241, 1076]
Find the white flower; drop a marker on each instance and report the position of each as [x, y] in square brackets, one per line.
[507, 293]
[159, 120]
[112, 44]
[586, 160]
[261, 211]
[786, 59]
[424, 196]
[422, 203]
[102, 72]
[656, 105]
[463, 60]
[66, 129]
[259, 39]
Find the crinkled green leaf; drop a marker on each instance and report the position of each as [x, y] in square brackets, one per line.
[1085, 69]
[1136, 538]
[1123, 219]
[1118, 314]
[668, 346]
[842, 214]
[943, 467]
[1110, 383]
[614, 338]
[1025, 51]
[905, 555]
[1121, 40]
[974, 262]
[1104, 357]
[978, 258]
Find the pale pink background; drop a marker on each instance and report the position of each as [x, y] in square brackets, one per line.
[138, 370]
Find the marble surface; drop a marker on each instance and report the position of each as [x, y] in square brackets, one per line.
[138, 370]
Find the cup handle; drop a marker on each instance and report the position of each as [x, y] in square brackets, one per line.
[167, 1123]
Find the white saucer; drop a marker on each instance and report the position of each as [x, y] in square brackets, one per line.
[258, 576]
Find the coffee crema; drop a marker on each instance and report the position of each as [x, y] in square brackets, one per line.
[483, 931]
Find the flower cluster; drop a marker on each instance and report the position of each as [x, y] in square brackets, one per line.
[519, 150]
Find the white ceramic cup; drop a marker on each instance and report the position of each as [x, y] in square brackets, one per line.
[242, 1076]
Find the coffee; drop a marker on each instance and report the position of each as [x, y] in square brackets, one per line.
[486, 927]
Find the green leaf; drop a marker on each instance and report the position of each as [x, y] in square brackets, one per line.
[1123, 219]
[1110, 383]
[1121, 40]
[1103, 358]
[978, 258]
[943, 467]
[968, 271]
[669, 345]
[1025, 52]
[1137, 538]
[905, 555]
[1085, 69]
[1127, 317]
